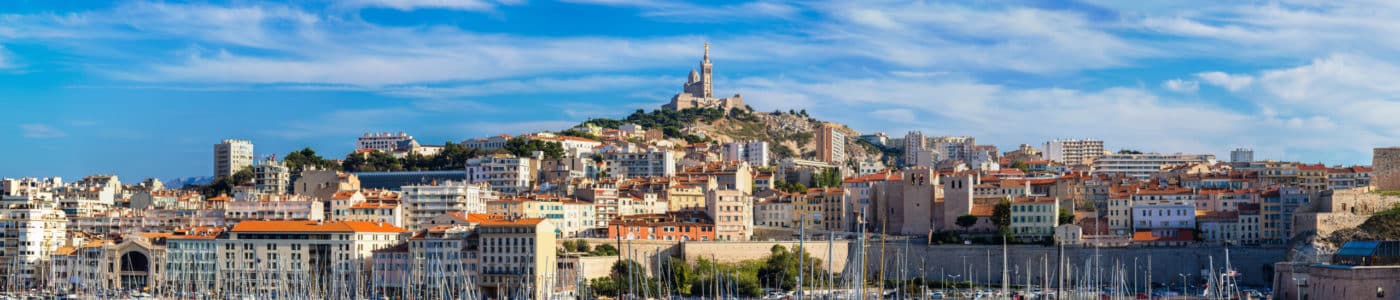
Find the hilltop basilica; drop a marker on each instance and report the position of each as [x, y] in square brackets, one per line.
[698, 92]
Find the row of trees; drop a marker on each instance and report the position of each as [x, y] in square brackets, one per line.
[581, 246]
[675, 276]
[453, 156]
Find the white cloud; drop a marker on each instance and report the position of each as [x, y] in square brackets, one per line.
[409, 5]
[900, 115]
[594, 83]
[40, 131]
[1181, 85]
[6, 61]
[991, 37]
[513, 127]
[996, 114]
[1226, 80]
[679, 11]
[1273, 29]
[1341, 103]
[345, 122]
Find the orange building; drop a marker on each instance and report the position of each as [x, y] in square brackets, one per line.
[670, 226]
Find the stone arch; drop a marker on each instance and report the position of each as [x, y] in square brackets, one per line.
[135, 270]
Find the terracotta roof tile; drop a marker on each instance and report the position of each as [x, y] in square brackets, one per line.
[314, 226]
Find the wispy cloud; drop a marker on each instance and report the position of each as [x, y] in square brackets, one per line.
[513, 127]
[681, 11]
[533, 86]
[5, 60]
[1226, 80]
[1181, 85]
[40, 131]
[409, 5]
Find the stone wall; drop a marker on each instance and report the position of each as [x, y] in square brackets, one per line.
[1256, 264]
[1342, 209]
[734, 252]
[1336, 282]
[1385, 173]
[725, 252]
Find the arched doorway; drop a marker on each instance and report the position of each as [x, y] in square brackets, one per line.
[135, 270]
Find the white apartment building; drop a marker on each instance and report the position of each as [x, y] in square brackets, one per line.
[85, 200]
[753, 152]
[439, 253]
[488, 143]
[385, 142]
[914, 142]
[271, 177]
[1073, 151]
[572, 218]
[31, 234]
[320, 258]
[192, 261]
[956, 147]
[423, 202]
[231, 155]
[1163, 209]
[1242, 155]
[641, 163]
[1144, 165]
[296, 208]
[378, 212]
[504, 173]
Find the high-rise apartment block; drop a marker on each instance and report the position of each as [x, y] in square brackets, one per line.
[753, 152]
[831, 144]
[231, 155]
[1073, 151]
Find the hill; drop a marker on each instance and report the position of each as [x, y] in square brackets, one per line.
[789, 134]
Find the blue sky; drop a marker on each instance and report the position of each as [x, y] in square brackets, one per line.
[144, 88]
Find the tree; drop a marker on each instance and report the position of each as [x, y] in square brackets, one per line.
[691, 138]
[790, 187]
[576, 133]
[1066, 216]
[604, 286]
[581, 246]
[521, 147]
[966, 221]
[604, 250]
[300, 160]
[1001, 214]
[782, 266]
[224, 185]
[1129, 151]
[569, 246]
[681, 275]
[827, 178]
[626, 273]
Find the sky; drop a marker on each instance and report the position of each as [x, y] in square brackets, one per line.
[145, 88]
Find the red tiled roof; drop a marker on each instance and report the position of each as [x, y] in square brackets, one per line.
[982, 210]
[314, 226]
[1183, 235]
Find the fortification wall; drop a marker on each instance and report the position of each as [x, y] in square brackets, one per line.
[1385, 164]
[981, 263]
